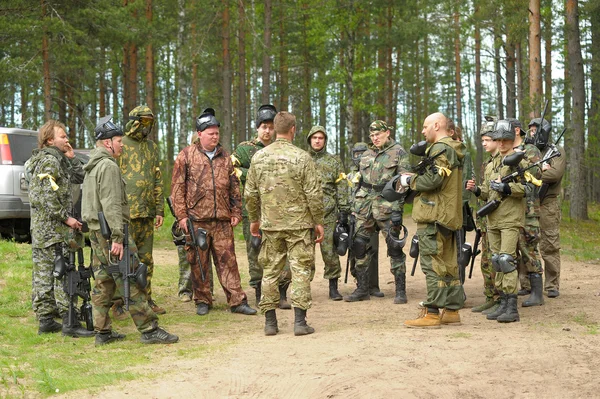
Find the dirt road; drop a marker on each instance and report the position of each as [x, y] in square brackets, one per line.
[361, 350]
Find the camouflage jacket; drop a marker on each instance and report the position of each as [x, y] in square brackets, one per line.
[242, 156]
[377, 167]
[204, 189]
[104, 190]
[532, 209]
[333, 182]
[440, 187]
[140, 168]
[482, 221]
[283, 188]
[51, 174]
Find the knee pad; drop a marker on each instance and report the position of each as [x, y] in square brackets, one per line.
[507, 263]
[495, 264]
[359, 247]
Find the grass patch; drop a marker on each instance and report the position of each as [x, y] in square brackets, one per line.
[583, 320]
[579, 238]
[460, 335]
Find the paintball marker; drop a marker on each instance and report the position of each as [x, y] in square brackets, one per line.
[350, 261]
[552, 152]
[198, 240]
[476, 250]
[419, 149]
[414, 252]
[123, 266]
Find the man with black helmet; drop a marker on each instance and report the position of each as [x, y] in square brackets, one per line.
[241, 158]
[140, 167]
[104, 190]
[550, 214]
[205, 190]
[335, 203]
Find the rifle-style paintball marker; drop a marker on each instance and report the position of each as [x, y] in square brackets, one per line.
[351, 260]
[426, 162]
[476, 250]
[552, 152]
[198, 240]
[124, 266]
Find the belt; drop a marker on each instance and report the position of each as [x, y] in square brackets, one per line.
[374, 187]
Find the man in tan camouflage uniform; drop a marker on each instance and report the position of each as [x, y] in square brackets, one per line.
[384, 160]
[51, 169]
[284, 199]
[205, 189]
[335, 202]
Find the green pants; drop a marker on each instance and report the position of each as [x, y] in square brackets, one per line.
[504, 241]
[142, 231]
[529, 254]
[365, 229]
[331, 259]
[437, 249]
[488, 272]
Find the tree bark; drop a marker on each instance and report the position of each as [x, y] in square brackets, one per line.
[520, 79]
[266, 66]
[283, 65]
[498, 74]
[478, 111]
[150, 79]
[594, 112]
[225, 119]
[46, 65]
[535, 59]
[102, 83]
[548, 28]
[457, 80]
[511, 93]
[181, 81]
[576, 151]
[241, 111]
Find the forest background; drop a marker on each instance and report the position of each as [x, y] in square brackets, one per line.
[340, 64]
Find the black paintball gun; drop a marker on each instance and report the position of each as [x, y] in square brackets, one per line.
[476, 250]
[351, 260]
[414, 252]
[419, 149]
[198, 240]
[125, 265]
[551, 153]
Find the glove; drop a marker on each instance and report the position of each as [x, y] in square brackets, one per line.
[502, 188]
[396, 218]
[343, 217]
[405, 180]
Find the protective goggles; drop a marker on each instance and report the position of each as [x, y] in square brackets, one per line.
[205, 121]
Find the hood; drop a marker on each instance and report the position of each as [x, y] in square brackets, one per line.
[136, 131]
[39, 153]
[313, 130]
[458, 146]
[96, 155]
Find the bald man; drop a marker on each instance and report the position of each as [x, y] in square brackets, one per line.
[437, 210]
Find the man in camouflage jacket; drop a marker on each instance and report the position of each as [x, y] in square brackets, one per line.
[140, 167]
[335, 202]
[52, 168]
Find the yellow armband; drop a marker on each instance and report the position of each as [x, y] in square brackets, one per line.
[53, 184]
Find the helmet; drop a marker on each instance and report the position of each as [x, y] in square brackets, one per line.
[389, 192]
[357, 150]
[503, 130]
[542, 134]
[394, 242]
[106, 129]
[206, 120]
[266, 113]
[487, 127]
[178, 234]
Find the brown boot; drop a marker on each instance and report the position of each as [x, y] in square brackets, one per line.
[450, 317]
[425, 320]
[118, 311]
[155, 308]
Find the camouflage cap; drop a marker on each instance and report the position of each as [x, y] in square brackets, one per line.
[360, 146]
[140, 110]
[379, 126]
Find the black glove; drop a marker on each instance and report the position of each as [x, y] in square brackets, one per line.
[343, 218]
[502, 188]
[477, 191]
[397, 218]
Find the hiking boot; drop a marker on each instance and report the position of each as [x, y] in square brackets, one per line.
[75, 330]
[243, 308]
[400, 289]
[158, 336]
[450, 317]
[283, 303]
[489, 302]
[361, 293]
[155, 308]
[501, 309]
[523, 292]
[258, 292]
[118, 311]
[334, 294]
[374, 291]
[106, 338]
[536, 298]
[512, 311]
[185, 297]
[201, 309]
[300, 326]
[271, 323]
[48, 326]
[426, 319]
[553, 293]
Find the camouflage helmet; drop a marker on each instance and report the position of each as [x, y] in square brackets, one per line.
[503, 130]
[379, 126]
[315, 129]
[266, 113]
[136, 115]
[106, 129]
[487, 127]
[206, 120]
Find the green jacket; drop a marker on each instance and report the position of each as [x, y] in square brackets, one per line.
[140, 168]
[283, 188]
[532, 210]
[554, 175]
[440, 188]
[243, 153]
[104, 190]
[333, 183]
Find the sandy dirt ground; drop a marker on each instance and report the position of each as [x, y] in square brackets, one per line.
[362, 350]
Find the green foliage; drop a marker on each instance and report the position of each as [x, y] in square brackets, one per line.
[580, 238]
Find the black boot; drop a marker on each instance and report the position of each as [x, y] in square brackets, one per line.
[48, 326]
[400, 289]
[536, 298]
[501, 309]
[75, 329]
[512, 311]
[376, 292]
[258, 292]
[300, 326]
[283, 303]
[334, 294]
[271, 323]
[361, 293]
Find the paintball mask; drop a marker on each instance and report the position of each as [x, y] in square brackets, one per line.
[541, 138]
[394, 242]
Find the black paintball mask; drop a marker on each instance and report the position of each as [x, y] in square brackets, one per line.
[206, 120]
[266, 113]
[541, 139]
[395, 242]
[357, 151]
[106, 129]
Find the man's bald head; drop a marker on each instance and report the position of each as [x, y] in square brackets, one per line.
[435, 127]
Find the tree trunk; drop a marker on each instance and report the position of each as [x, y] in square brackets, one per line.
[511, 93]
[457, 80]
[241, 112]
[129, 71]
[594, 112]
[46, 65]
[225, 119]
[478, 114]
[498, 73]
[576, 151]
[266, 67]
[520, 80]
[535, 59]
[548, 28]
[102, 84]
[150, 73]
[283, 64]
[182, 137]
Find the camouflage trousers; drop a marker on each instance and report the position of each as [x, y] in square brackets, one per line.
[550, 242]
[298, 248]
[438, 252]
[185, 279]
[255, 269]
[49, 297]
[488, 272]
[504, 241]
[331, 259]
[365, 228]
[528, 254]
[105, 286]
[142, 231]
[222, 248]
